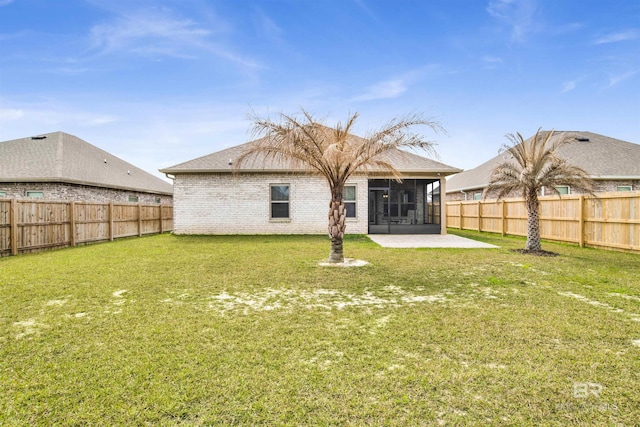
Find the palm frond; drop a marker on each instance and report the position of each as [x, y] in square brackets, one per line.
[535, 165]
[505, 179]
[395, 133]
[561, 173]
[334, 152]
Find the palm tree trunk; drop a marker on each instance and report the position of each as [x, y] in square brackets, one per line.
[533, 223]
[337, 225]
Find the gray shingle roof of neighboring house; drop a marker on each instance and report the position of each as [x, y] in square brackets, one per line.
[60, 157]
[224, 161]
[600, 156]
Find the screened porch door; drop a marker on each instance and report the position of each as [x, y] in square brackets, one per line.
[378, 216]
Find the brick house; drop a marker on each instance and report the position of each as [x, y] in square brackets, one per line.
[613, 164]
[213, 196]
[59, 166]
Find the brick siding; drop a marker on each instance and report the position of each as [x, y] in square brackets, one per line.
[227, 204]
[81, 193]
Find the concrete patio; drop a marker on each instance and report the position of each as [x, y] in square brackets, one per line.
[426, 241]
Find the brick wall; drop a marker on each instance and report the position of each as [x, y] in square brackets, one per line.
[81, 193]
[606, 186]
[227, 204]
[601, 186]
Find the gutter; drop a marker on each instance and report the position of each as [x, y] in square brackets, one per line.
[89, 184]
[615, 177]
[466, 189]
[405, 174]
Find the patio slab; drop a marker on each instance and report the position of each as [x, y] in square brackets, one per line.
[426, 241]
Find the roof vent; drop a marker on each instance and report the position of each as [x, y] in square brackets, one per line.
[582, 139]
[39, 137]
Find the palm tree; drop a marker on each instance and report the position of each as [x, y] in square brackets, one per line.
[334, 153]
[535, 164]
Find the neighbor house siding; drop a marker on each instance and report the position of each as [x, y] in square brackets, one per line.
[606, 186]
[210, 203]
[60, 191]
[601, 186]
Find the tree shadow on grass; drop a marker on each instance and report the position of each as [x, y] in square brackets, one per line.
[535, 253]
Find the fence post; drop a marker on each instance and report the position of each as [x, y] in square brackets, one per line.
[504, 218]
[581, 220]
[161, 225]
[460, 214]
[13, 226]
[139, 219]
[72, 222]
[479, 216]
[110, 221]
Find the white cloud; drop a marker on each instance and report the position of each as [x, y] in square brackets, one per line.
[519, 15]
[10, 114]
[568, 86]
[52, 115]
[71, 71]
[614, 80]
[566, 28]
[491, 62]
[383, 90]
[396, 86]
[618, 37]
[366, 9]
[157, 33]
[145, 134]
[267, 26]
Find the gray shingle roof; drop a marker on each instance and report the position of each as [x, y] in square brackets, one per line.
[60, 157]
[600, 156]
[223, 161]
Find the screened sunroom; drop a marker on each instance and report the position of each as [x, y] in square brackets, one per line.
[412, 206]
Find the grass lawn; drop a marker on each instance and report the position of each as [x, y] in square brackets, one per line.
[248, 330]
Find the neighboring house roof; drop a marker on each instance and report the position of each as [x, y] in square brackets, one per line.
[600, 156]
[60, 157]
[224, 161]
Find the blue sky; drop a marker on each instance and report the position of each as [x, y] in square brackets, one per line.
[159, 82]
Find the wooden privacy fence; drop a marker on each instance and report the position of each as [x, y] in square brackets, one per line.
[31, 225]
[610, 221]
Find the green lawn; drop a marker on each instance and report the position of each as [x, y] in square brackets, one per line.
[249, 330]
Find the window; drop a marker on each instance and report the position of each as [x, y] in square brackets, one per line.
[133, 199]
[563, 189]
[624, 188]
[279, 201]
[477, 196]
[3, 194]
[349, 198]
[157, 200]
[399, 204]
[35, 194]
